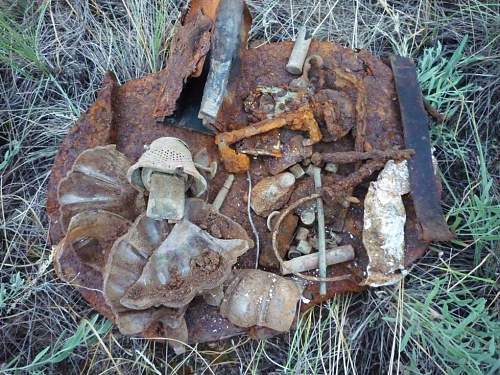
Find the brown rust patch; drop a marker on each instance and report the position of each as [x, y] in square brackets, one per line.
[300, 120]
[190, 45]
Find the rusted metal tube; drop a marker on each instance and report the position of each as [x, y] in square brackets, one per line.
[311, 261]
[226, 42]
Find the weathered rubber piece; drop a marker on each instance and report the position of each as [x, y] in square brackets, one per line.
[424, 188]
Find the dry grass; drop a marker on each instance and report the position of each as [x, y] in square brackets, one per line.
[442, 319]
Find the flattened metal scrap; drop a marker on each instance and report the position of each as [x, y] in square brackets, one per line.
[189, 48]
[424, 189]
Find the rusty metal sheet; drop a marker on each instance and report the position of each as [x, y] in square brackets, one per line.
[424, 189]
[189, 48]
[123, 115]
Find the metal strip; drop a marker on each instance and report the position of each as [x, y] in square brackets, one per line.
[424, 189]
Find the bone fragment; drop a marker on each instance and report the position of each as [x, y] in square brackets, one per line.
[383, 225]
[299, 53]
[311, 261]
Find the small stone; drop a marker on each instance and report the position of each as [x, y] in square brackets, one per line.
[272, 193]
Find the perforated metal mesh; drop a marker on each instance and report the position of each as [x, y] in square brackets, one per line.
[167, 155]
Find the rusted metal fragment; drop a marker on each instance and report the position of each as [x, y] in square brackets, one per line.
[268, 144]
[300, 120]
[343, 187]
[336, 110]
[346, 157]
[190, 45]
[94, 128]
[266, 102]
[424, 190]
[209, 9]
[293, 151]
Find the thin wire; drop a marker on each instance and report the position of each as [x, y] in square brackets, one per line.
[249, 212]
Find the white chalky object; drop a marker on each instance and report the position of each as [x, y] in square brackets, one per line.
[384, 222]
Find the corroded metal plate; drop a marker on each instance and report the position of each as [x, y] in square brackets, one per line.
[124, 115]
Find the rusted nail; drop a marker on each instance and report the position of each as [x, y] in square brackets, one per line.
[348, 157]
[311, 261]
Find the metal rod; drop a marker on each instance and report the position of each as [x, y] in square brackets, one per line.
[311, 261]
[222, 194]
[321, 231]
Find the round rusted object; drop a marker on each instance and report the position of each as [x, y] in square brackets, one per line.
[123, 115]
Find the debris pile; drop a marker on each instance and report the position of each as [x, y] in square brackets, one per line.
[319, 165]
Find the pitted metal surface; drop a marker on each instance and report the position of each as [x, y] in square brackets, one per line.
[125, 115]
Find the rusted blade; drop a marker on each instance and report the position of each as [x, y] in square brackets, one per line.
[424, 189]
